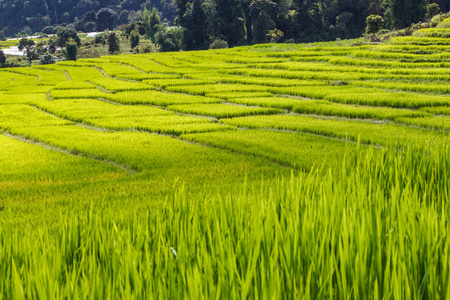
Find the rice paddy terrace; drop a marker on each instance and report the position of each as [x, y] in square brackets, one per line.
[113, 135]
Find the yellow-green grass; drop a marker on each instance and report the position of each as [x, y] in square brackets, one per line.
[19, 115]
[146, 76]
[222, 110]
[117, 85]
[420, 41]
[80, 73]
[176, 82]
[344, 227]
[434, 122]
[433, 32]
[143, 151]
[21, 98]
[366, 132]
[156, 98]
[208, 89]
[437, 110]
[25, 164]
[115, 69]
[230, 95]
[124, 117]
[74, 85]
[78, 94]
[297, 150]
[326, 108]
[431, 87]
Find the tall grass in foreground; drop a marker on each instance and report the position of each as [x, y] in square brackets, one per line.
[374, 225]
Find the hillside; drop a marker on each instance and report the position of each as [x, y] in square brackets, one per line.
[266, 171]
[29, 17]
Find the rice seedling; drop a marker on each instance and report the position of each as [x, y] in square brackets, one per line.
[78, 94]
[222, 110]
[116, 85]
[156, 98]
[297, 150]
[367, 132]
[434, 122]
[437, 110]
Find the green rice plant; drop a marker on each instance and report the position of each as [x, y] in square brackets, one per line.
[25, 163]
[144, 63]
[230, 95]
[147, 76]
[321, 92]
[74, 85]
[437, 110]
[333, 232]
[206, 89]
[366, 132]
[435, 88]
[176, 82]
[236, 79]
[82, 109]
[433, 32]
[20, 80]
[222, 110]
[19, 115]
[22, 98]
[156, 98]
[171, 124]
[420, 41]
[275, 102]
[322, 107]
[115, 69]
[139, 151]
[116, 85]
[398, 100]
[382, 63]
[297, 150]
[75, 72]
[434, 122]
[124, 117]
[78, 94]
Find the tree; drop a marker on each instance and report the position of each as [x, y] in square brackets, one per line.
[47, 59]
[406, 12]
[432, 10]
[113, 43]
[31, 52]
[262, 24]
[123, 17]
[90, 27]
[275, 35]
[24, 43]
[2, 58]
[169, 40]
[218, 44]
[71, 50]
[134, 39]
[374, 24]
[150, 22]
[106, 18]
[65, 34]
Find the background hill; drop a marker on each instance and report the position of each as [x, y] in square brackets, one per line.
[236, 22]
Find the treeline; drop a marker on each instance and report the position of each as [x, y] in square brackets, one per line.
[240, 22]
[30, 16]
[215, 23]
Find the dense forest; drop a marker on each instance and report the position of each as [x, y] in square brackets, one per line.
[234, 22]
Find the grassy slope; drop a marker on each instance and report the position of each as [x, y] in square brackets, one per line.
[91, 167]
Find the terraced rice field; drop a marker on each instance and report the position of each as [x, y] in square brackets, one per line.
[267, 171]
